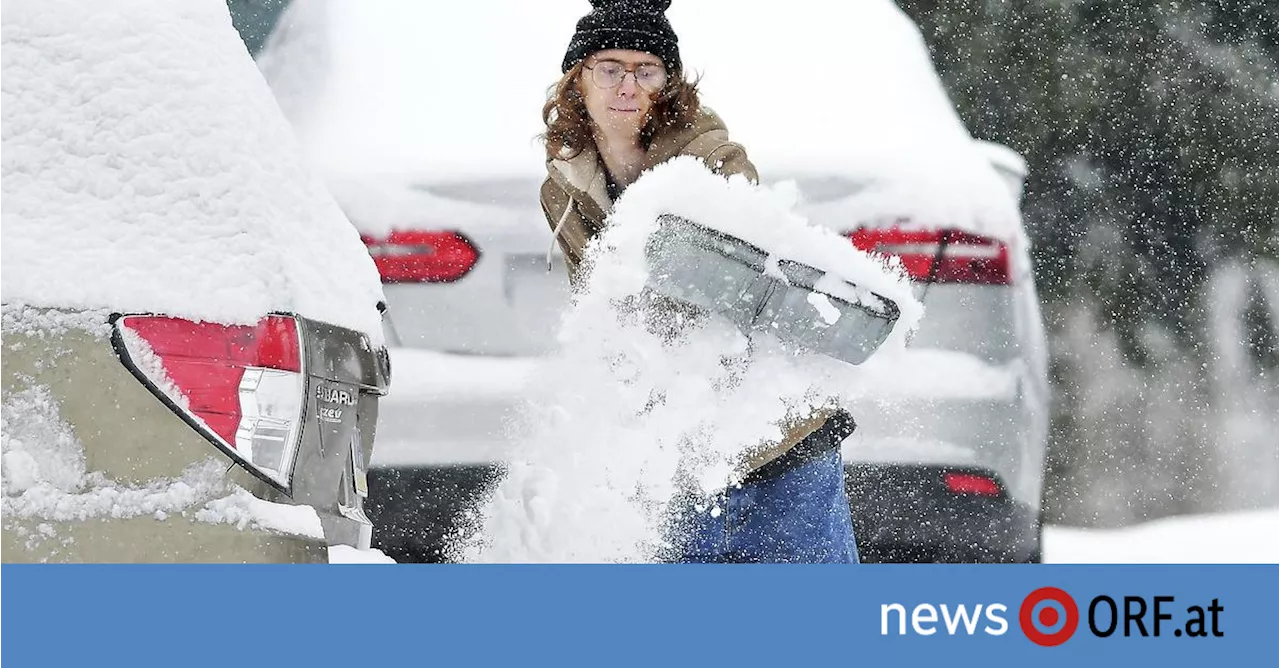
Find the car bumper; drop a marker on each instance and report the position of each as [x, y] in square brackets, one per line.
[904, 513]
[441, 439]
[450, 410]
[147, 539]
[417, 511]
[900, 513]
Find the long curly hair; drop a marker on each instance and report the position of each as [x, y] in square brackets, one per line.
[569, 126]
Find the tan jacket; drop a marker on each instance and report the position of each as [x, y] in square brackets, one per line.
[576, 203]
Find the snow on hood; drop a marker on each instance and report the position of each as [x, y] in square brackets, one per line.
[148, 168]
[820, 89]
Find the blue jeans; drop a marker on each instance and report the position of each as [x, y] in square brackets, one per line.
[800, 516]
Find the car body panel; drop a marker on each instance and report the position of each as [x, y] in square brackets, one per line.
[176, 539]
[131, 435]
[452, 409]
[904, 513]
[508, 304]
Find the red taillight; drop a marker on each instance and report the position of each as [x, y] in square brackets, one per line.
[272, 343]
[971, 483]
[242, 383]
[965, 257]
[422, 257]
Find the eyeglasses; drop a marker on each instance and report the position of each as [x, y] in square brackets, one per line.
[609, 74]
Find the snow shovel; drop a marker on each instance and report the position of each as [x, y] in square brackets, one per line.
[728, 276]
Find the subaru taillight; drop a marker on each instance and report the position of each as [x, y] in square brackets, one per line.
[973, 484]
[942, 256]
[241, 386]
[422, 257]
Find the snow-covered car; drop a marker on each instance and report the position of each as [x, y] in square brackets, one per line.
[193, 354]
[439, 170]
[947, 462]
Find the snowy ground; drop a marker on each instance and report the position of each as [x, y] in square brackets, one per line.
[1233, 538]
[345, 554]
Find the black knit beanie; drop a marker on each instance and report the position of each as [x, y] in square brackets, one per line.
[638, 25]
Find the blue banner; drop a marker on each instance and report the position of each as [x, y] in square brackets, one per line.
[721, 616]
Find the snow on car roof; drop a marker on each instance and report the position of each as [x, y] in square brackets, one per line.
[147, 168]
[406, 88]
[848, 89]
[820, 88]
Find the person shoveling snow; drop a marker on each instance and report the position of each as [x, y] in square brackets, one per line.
[694, 414]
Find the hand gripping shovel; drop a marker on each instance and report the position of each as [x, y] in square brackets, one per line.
[728, 276]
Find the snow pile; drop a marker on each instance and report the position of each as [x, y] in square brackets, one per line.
[148, 168]
[1246, 537]
[202, 492]
[345, 554]
[19, 319]
[96, 497]
[648, 399]
[44, 477]
[760, 216]
[39, 450]
[246, 511]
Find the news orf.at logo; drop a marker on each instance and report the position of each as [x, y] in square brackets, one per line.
[1048, 616]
